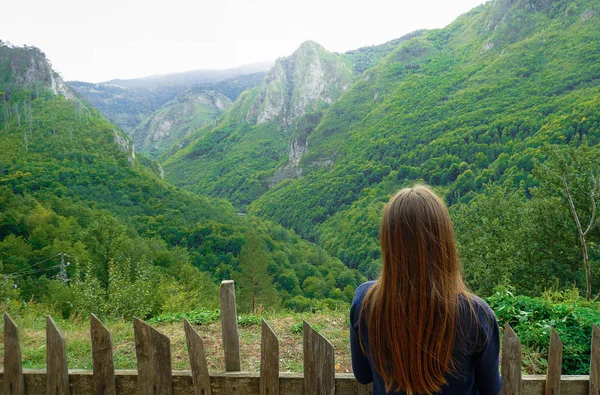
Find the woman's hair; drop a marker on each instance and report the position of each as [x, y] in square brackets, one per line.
[411, 311]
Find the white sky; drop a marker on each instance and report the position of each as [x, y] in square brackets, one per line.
[101, 40]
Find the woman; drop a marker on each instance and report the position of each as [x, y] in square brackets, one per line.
[417, 329]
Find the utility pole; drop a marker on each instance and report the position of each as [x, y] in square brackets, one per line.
[62, 274]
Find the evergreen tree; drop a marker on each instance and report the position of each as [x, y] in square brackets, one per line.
[253, 280]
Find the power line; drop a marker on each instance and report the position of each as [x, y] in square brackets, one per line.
[22, 274]
[62, 274]
[34, 265]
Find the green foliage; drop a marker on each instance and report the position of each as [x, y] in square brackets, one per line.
[69, 184]
[532, 319]
[249, 320]
[366, 57]
[298, 328]
[254, 283]
[466, 110]
[200, 317]
[203, 317]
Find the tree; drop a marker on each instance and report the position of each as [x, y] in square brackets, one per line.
[105, 237]
[253, 280]
[575, 173]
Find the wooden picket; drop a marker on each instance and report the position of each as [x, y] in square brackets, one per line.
[553, 374]
[57, 380]
[13, 368]
[595, 362]
[269, 361]
[511, 363]
[102, 358]
[155, 376]
[319, 363]
[197, 355]
[229, 328]
[153, 351]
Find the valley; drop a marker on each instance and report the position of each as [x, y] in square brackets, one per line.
[275, 175]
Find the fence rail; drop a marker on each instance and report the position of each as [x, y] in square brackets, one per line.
[154, 375]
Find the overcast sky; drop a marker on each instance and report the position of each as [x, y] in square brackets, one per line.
[101, 40]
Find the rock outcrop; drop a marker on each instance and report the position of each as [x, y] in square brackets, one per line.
[125, 145]
[309, 79]
[181, 116]
[29, 69]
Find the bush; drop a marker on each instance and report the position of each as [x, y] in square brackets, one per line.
[532, 320]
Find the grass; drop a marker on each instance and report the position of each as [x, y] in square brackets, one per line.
[333, 325]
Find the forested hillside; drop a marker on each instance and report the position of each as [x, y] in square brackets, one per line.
[259, 140]
[73, 190]
[466, 109]
[476, 109]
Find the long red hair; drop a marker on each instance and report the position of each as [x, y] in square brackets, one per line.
[411, 311]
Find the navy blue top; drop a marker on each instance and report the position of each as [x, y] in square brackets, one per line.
[476, 351]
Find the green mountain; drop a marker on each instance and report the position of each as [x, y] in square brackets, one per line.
[188, 112]
[71, 183]
[260, 139]
[129, 102]
[461, 108]
[366, 57]
[467, 109]
[125, 106]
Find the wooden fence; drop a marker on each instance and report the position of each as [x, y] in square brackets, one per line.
[154, 375]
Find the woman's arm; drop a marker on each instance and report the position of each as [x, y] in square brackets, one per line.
[486, 361]
[360, 362]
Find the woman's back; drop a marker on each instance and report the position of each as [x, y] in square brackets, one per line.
[417, 328]
[475, 352]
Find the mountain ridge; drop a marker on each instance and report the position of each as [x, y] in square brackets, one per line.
[301, 84]
[71, 183]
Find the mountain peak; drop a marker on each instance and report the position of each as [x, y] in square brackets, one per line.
[28, 68]
[310, 45]
[300, 83]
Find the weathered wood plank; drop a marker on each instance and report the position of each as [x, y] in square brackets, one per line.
[554, 371]
[197, 354]
[319, 363]
[511, 363]
[57, 380]
[153, 350]
[102, 358]
[269, 361]
[229, 327]
[364, 389]
[308, 350]
[14, 383]
[595, 362]
[248, 383]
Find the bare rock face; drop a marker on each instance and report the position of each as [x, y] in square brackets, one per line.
[126, 146]
[178, 118]
[587, 14]
[305, 81]
[31, 70]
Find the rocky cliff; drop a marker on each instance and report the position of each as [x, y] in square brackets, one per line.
[178, 118]
[309, 79]
[264, 134]
[28, 68]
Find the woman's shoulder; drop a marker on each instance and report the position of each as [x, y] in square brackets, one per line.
[361, 291]
[477, 314]
[359, 296]
[477, 305]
